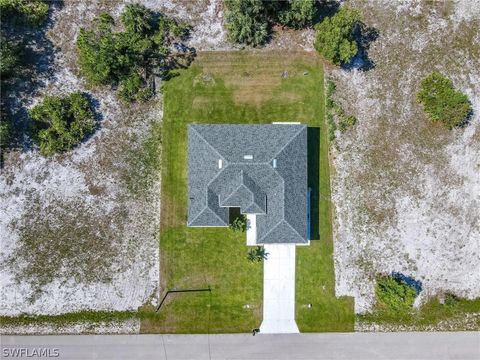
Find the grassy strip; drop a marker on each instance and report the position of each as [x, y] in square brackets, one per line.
[68, 318]
[315, 269]
[429, 314]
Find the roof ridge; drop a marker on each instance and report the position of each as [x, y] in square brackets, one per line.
[289, 142]
[206, 142]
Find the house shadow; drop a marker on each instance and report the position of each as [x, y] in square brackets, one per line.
[313, 151]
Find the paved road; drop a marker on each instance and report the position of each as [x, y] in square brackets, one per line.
[371, 346]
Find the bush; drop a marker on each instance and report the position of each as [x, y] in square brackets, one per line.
[5, 133]
[137, 19]
[394, 294]
[246, 21]
[30, 12]
[239, 223]
[10, 58]
[345, 121]
[128, 58]
[134, 88]
[257, 255]
[61, 123]
[298, 13]
[335, 36]
[442, 102]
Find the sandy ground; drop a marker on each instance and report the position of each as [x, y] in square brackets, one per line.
[407, 192]
[111, 259]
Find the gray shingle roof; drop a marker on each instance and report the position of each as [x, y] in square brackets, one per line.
[248, 178]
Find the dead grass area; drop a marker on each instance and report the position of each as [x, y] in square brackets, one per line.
[405, 189]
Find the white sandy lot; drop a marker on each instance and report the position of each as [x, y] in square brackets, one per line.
[406, 192]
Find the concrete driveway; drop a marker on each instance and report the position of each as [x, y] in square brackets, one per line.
[279, 290]
[353, 346]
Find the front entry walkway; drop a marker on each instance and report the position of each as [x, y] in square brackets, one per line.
[279, 290]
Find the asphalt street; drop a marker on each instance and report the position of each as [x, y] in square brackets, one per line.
[368, 346]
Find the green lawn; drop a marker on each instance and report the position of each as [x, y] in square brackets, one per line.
[240, 87]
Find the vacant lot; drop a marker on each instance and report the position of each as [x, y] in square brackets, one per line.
[79, 231]
[252, 87]
[406, 191]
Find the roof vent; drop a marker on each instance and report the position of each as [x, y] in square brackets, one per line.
[248, 157]
[220, 163]
[274, 163]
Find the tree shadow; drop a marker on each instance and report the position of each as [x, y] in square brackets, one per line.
[417, 284]
[364, 35]
[37, 58]
[313, 175]
[325, 9]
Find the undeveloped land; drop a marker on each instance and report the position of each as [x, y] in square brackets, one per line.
[407, 191]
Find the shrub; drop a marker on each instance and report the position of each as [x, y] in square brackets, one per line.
[345, 121]
[335, 36]
[31, 12]
[239, 223]
[5, 133]
[394, 294]
[10, 58]
[246, 21]
[257, 255]
[298, 13]
[128, 58]
[61, 123]
[442, 102]
[137, 19]
[134, 88]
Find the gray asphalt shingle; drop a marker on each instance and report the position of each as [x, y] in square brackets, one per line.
[263, 171]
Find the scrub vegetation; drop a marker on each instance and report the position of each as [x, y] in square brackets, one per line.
[61, 123]
[335, 39]
[130, 58]
[250, 21]
[442, 102]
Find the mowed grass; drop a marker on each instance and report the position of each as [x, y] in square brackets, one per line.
[240, 88]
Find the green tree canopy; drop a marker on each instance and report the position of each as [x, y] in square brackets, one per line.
[246, 21]
[128, 58]
[30, 12]
[298, 13]
[335, 36]
[61, 123]
[394, 294]
[442, 102]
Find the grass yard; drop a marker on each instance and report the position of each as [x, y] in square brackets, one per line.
[240, 87]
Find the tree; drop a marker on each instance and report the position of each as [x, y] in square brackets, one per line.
[335, 36]
[138, 19]
[246, 21]
[298, 13]
[257, 255]
[129, 58]
[61, 123]
[442, 102]
[239, 224]
[31, 12]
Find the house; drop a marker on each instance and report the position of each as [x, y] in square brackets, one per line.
[262, 170]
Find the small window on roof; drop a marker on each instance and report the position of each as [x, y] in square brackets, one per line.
[248, 157]
[274, 163]
[220, 163]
